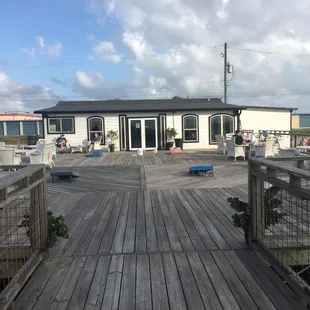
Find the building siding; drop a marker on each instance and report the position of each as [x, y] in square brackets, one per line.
[260, 119]
[255, 120]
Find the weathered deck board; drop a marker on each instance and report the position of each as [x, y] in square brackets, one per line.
[165, 242]
[195, 280]
[97, 179]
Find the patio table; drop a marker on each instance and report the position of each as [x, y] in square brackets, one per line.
[30, 147]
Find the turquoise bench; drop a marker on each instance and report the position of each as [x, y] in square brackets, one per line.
[64, 174]
[202, 170]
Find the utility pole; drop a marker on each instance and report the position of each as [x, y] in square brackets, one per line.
[225, 72]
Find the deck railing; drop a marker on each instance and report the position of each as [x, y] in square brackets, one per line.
[23, 227]
[280, 219]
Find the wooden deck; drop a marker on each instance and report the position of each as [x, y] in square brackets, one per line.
[138, 241]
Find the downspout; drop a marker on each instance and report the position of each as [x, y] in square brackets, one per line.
[238, 113]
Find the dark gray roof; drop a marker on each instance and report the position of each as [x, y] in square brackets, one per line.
[122, 106]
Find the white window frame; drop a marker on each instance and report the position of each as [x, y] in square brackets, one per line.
[185, 129]
[102, 133]
[60, 121]
[222, 124]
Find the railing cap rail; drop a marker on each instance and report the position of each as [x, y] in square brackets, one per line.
[269, 163]
[16, 176]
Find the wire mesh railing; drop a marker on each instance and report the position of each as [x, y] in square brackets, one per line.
[23, 227]
[279, 198]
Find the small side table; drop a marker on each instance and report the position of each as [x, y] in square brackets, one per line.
[207, 169]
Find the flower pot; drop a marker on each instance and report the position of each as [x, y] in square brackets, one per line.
[169, 145]
[112, 148]
[179, 143]
[246, 235]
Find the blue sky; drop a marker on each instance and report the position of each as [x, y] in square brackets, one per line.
[58, 21]
[153, 49]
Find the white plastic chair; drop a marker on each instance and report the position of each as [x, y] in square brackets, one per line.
[45, 157]
[8, 156]
[287, 152]
[234, 150]
[221, 144]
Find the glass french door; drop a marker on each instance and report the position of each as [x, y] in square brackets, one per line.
[143, 133]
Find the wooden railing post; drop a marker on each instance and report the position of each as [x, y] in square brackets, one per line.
[253, 201]
[43, 213]
[295, 182]
[38, 213]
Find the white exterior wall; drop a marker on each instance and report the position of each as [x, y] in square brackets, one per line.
[260, 119]
[175, 120]
[111, 122]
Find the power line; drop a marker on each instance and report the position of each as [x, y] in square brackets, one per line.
[268, 52]
[106, 61]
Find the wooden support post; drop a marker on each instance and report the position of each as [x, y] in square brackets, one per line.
[252, 192]
[295, 182]
[43, 213]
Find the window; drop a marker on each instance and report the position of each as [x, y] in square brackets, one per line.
[61, 125]
[13, 128]
[221, 124]
[190, 128]
[95, 124]
[40, 128]
[29, 128]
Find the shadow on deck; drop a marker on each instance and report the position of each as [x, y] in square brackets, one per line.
[134, 244]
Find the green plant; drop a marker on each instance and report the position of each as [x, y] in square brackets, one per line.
[171, 133]
[271, 203]
[57, 227]
[112, 135]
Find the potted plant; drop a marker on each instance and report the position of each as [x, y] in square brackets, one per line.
[242, 219]
[171, 134]
[112, 136]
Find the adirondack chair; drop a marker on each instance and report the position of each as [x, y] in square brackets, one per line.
[44, 156]
[8, 156]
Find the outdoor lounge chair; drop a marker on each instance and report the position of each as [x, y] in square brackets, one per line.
[234, 150]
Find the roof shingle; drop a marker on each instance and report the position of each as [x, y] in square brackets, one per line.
[110, 106]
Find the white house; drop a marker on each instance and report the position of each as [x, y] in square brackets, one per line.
[143, 123]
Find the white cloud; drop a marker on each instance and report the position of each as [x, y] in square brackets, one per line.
[106, 51]
[53, 49]
[91, 57]
[170, 45]
[89, 81]
[90, 37]
[40, 42]
[30, 52]
[18, 97]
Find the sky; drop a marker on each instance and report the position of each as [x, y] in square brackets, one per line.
[55, 50]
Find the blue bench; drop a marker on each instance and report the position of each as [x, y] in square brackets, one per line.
[64, 174]
[205, 169]
[95, 153]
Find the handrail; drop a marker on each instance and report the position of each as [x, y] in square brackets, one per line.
[280, 212]
[26, 171]
[269, 163]
[23, 226]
